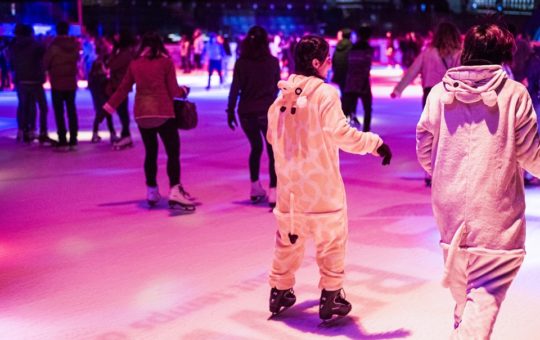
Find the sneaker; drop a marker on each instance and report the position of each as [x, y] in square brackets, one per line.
[180, 197]
[95, 138]
[257, 192]
[272, 197]
[152, 195]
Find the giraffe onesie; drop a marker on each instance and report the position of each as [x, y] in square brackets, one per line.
[306, 128]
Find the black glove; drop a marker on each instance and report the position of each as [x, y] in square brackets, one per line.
[385, 153]
[231, 120]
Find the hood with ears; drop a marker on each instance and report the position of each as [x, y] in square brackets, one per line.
[469, 84]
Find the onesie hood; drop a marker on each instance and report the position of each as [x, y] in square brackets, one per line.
[297, 89]
[470, 84]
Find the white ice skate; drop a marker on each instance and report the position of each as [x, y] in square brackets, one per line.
[257, 192]
[123, 143]
[272, 197]
[180, 199]
[152, 196]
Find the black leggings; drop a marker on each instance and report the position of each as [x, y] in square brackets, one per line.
[255, 127]
[350, 103]
[123, 114]
[169, 136]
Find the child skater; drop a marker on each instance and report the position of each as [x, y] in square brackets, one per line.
[476, 134]
[306, 128]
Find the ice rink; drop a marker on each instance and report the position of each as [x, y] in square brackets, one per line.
[83, 257]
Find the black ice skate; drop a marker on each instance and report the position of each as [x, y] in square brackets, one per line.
[333, 303]
[281, 300]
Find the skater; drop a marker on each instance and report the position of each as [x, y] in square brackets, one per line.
[214, 53]
[118, 63]
[306, 128]
[340, 62]
[154, 74]
[476, 134]
[97, 82]
[61, 62]
[443, 54]
[255, 76]
[26, 56]
[357, 83]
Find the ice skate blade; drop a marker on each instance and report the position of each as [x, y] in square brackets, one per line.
[179, 206]
[256, 199]
[122, 147]
[152, 204]
[274, 315]
[333, 322]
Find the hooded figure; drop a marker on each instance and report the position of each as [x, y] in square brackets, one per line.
[477, 132]
[307, 128]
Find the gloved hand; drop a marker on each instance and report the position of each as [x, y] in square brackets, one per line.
[231, 120]
[385, 153]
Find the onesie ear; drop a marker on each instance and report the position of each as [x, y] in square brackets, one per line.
[448, 98]
[284, 86]
[489, 98]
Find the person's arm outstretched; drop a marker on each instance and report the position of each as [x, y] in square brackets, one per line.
[346, 137]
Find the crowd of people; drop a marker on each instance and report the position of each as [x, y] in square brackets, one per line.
[477, 131]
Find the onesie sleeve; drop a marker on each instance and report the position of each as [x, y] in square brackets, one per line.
[424, 138]
[527, 140]
[341, 133]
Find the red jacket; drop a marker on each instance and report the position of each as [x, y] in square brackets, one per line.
[156, 87]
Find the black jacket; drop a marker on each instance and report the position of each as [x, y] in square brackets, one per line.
[255, 81]
[26, 58]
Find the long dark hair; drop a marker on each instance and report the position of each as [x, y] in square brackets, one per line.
[446, 39]
[308, 48]
[488, 42]
[255, 44]
[153, 42]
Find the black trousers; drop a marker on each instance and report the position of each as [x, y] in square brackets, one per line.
[350, 104]
[171, 141]
[99, 98]
[59, 98]
[255, 127]
[29, 95]
[426, 91]
[123, 114]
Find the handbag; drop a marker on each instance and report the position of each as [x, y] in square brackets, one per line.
[185, 113]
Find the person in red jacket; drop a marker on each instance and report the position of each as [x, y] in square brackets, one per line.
[153, 72]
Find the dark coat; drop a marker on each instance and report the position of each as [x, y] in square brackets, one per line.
[61, 63]
[26, 57]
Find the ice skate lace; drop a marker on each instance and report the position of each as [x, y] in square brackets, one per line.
[184, 193]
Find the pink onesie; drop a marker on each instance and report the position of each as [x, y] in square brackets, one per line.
[307, 127]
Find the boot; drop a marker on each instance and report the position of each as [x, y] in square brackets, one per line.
[152, 195]
[333, 303]
[257, 192]
[281, 299]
